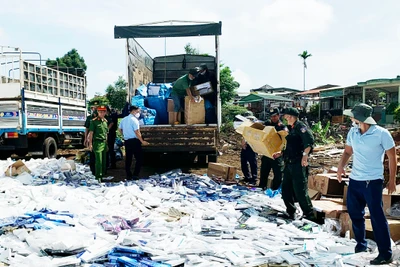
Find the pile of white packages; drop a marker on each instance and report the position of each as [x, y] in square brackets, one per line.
[49, 221]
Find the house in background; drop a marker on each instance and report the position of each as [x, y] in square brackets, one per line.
[260, 103]
[282, 91]
[304, 100]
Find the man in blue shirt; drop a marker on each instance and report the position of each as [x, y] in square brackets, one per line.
[368, 143]
[129, 128]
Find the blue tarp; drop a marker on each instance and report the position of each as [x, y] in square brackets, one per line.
[160, 105]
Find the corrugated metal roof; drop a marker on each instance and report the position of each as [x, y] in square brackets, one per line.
[259, 97]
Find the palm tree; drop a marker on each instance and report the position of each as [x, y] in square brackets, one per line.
[304, 56]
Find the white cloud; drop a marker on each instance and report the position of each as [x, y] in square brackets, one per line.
[244, 80]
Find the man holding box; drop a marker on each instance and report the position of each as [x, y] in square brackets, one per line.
[180, 89]
[367, 143]
[276, 164]
[210, 100]
[300, 141]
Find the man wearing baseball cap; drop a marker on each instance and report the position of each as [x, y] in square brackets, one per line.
[276, 164]
[180, 89]
[98, 131]
[368, 143]
[300, 141]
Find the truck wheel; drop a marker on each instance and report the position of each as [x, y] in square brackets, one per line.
[212, 158]
[201, 159]
[50, 148]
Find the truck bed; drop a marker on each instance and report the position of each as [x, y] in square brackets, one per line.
[180, 138]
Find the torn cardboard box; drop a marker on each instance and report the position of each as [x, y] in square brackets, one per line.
[224, 171]
[264, 140]
[16, 169]
[327, 184]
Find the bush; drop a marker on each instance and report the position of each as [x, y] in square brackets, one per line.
[230, 111]
[396, 114]
[390, 108]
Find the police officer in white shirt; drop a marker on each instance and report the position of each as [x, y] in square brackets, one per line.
[129, 128]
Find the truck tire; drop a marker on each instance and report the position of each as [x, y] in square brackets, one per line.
[212, 158]
[50, 148]
[202, 159]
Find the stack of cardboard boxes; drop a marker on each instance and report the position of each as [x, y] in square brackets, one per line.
[330, 200]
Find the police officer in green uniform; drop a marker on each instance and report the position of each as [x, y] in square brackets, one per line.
[300, 141]
[98, 131]
[93, 106]
[276, 164]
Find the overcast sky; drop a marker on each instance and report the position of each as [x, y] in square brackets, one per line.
[350, 41]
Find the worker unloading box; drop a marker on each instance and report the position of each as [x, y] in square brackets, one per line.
[264, 140]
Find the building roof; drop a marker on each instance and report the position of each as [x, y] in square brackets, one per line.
[316, 90]
[260, 97]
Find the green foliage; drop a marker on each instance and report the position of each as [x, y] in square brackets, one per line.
[116, 94]
[322, 134]
[190, 50]
[229, 112]
[228, 85]
[396, 114]
[314, 111]
[72, 59]
[227, 127]
[305, 55]
[390, 108]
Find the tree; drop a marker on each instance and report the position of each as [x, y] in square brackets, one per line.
[116, 94]
[72, 59]
[304, 56]
[191, 50]
[228, 85]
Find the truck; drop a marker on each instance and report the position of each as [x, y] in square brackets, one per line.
[189, 142]
[41, 108]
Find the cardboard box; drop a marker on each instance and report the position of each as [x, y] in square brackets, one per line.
[327, 184]
[16, 168]
[171, 106]
[195, 113]
[332, 209]
[390, 200]
[203, 89]
[172, 117]
[224, 171]
[264, 140]
[394, 228]
[345, 194]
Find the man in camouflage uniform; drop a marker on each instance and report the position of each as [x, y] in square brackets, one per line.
[98, 131]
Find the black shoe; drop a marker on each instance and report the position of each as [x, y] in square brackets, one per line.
[360, 250]
[380, 260]
[135, 178]
[252, 182]
[287, 216]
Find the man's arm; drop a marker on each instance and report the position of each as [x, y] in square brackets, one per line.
[348, 151]
[391, 186]
[189, 93]
[90, 140]
[139, 136]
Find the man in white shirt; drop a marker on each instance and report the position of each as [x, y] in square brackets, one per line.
[129, 128]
